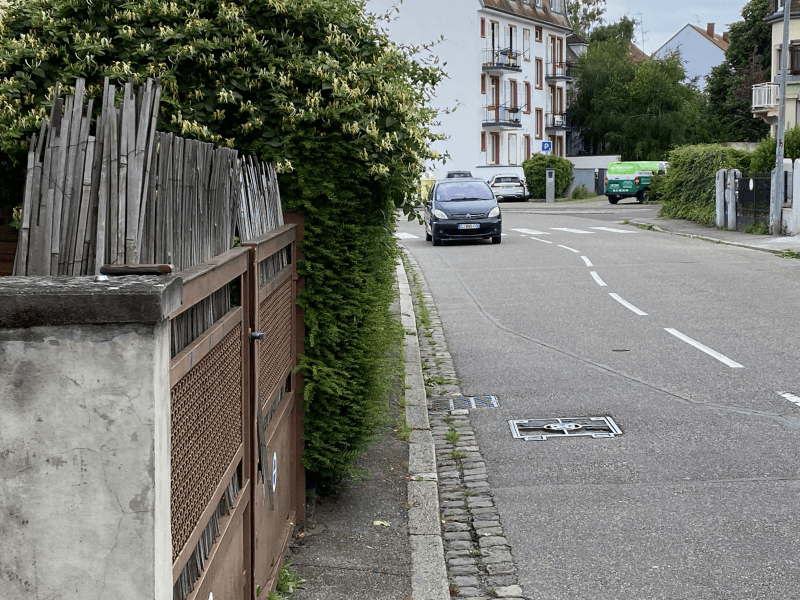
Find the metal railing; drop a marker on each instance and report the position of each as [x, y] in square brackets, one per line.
[503, 115]
[556, 120]
[504, 59]
[558, 70]
[765, 95]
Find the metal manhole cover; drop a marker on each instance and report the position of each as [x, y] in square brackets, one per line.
[464, 402]
[541, 429]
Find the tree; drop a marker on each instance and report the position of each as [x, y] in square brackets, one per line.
[747, 62]
[585, 15]
[311, 84]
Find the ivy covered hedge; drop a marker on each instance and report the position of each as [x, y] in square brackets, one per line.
[311, 84]
[763, 157]
[688, 189]
[534, 171]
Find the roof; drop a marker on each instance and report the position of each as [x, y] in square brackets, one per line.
[716, 38]
[637, 55]
[574, 39]
[529, 10]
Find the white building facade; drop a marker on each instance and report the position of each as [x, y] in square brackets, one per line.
[701, 50]
[507, 78]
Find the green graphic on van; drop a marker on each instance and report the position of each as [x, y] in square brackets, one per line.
[631, 179]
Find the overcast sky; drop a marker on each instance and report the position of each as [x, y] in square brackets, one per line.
[662, 20]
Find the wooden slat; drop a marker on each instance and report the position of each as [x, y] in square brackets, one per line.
[200, 281]
[137, 269]
[270, 243]
[58, 183]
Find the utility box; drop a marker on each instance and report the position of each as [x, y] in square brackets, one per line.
[550, 185]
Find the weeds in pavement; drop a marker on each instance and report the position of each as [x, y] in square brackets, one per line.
[402, 429]
[452, 436]
[646, 227]
[758, 228]
[288, 582]
[469, 493]
[458, 454]
[788, 254]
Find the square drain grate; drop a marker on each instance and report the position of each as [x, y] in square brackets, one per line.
[464, 402]
[541, 429]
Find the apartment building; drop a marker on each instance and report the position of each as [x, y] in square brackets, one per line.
[508, 73]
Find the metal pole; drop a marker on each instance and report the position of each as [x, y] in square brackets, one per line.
[776, 196]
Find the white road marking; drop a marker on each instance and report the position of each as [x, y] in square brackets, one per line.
[570, 249]
[587, 261]
[628, 305]
[531, 232]
[568, 230]
[405, 236]
[597, 278]
[790, 397]
[612, 230]
[538, 240]
[720, 357]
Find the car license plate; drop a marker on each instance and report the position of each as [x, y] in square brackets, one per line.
[469, 225]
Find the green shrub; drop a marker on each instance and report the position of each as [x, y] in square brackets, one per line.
[763, 157]
[534, 170]
[582, 193]
[688, 189]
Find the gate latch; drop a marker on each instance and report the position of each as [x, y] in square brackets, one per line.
[258, 335]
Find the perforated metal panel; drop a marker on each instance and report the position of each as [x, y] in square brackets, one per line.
[206, 432]
[275, 353]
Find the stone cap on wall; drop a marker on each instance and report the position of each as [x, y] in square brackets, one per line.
[58, 301]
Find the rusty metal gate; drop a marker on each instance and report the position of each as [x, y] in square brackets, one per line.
[237, 478]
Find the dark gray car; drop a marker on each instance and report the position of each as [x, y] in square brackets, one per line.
[462, 209]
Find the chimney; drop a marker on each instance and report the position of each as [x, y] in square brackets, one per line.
[710, 30]
[726, 37]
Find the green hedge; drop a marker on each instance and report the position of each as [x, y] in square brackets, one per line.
[763, 157]
[688, 189]
[534, 170]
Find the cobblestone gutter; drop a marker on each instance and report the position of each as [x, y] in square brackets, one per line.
[480, 564]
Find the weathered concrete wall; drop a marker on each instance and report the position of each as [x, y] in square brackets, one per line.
[84, 439]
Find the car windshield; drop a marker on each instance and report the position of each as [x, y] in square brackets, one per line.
[463, 190]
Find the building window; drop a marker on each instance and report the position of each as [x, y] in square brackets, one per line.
[526, 44]
[513, 44]
[512, 94]
[483, 27]
[557, 6]
[539, 74]
[538, 34]
[526, 140]
[493, 153]
[512, 149]
[483, 141]
[483, 84]
[539, 123]
[527, 107]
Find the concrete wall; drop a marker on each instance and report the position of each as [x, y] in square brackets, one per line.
[84, 437]
[594, 162]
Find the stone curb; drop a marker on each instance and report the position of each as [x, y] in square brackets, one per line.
[479, 560]
[429, 577]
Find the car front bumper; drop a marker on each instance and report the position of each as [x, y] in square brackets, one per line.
[448, 229]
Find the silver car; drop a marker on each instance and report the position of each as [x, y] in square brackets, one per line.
[507, 187]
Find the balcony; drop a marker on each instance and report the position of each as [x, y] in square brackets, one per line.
[502, 117]
[555, 122]
[495, 59]
[765, 96]
[559, 71]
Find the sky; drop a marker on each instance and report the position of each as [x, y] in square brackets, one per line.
[661, 20]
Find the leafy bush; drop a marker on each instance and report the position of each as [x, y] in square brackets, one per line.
[582, 193]
[688, 189]
[534, 170]
[763, 157]
[311, 84]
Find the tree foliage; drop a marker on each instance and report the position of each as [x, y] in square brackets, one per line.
[747, 62]
[311, 84]
[585, 15]
[639, 110]
[763, 158]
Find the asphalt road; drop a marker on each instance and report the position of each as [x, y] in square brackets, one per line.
[699, 496]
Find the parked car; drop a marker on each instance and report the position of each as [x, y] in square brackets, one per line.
[458, 174]
[631, 179]
[507, 187]
[462, 209]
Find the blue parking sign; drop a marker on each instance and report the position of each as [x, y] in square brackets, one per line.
[547, 146]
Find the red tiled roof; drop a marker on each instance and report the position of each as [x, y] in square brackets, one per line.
[716, 38]
[528, 9]
[637, 55]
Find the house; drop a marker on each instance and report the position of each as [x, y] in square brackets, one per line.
[638, 55]
[507, 68]
[765, 95]
[701, 50]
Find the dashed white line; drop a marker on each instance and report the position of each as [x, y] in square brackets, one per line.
[628, 305]
[612, 230]
[703, 348]
[587, 261]
[405, 236]
[538, 240]
[570, 249]
[568, 230]
[531, 232]
[597, 278]
[790, 397]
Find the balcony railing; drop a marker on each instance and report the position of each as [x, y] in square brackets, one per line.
[495, 59]
[556, 121]
[559, 70]
[765, 95]
[502, 116]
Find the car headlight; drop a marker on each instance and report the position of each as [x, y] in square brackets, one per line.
[439, 214]
[495, 212]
